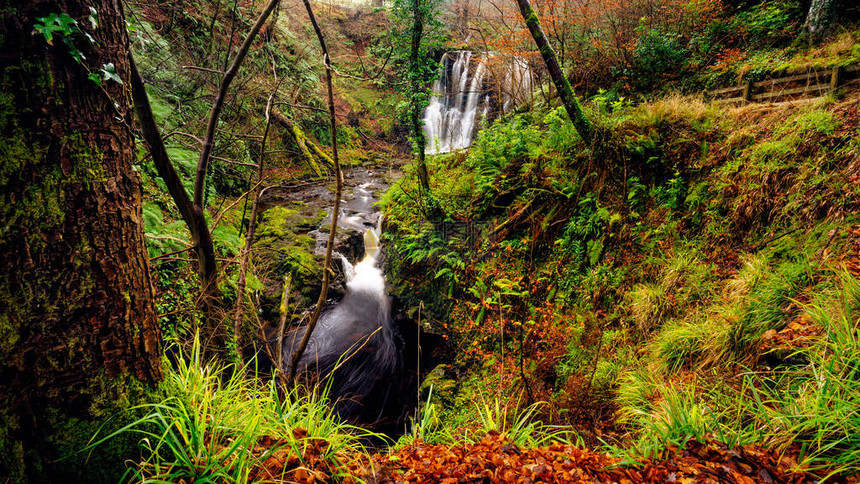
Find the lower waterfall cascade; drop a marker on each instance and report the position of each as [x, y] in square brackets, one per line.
[364, 350]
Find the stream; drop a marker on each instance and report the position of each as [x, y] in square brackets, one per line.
[364, 347]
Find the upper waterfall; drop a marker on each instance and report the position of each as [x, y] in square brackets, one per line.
[471, 88]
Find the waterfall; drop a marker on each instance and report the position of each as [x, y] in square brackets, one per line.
[471, 88]
[355, 345]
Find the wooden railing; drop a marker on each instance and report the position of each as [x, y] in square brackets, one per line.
[811, 84]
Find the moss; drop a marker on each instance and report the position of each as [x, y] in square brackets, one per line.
[113, 406]
[114, 402]
[444, 388]
[8, 335]
[532, 18]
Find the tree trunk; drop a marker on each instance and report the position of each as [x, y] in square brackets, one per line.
[414, 110]
[78, 328]
[571, 105]
[820, 17]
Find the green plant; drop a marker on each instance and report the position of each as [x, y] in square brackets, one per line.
[673, 194]
[768, 22]
[163, 238]
[769, 306]
[815, 407]
[663, 413]
[495, 149]
[219, 426]
[519, 425]
[428, 428]
[582, 242]
[656, 54]
[67, 29]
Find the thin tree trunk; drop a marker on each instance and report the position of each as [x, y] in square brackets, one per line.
[210, 273]
[415, 87]
[194, 219]
[193, 212]
[335, 209]
[80, 337]
[249, 237]
[218, 104]
[571, 105]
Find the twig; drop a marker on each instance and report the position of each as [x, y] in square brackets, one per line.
[300, 106]
[170, 254]
[222, 212]
[204, 69]
[823, 249]
[282, 327]
[167, 237]
[773, 239]
[335, 210]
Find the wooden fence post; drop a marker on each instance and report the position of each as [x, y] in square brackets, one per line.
[835, 77]
[748, 90]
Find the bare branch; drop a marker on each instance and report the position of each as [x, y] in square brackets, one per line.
[204, 69]
[335, 210]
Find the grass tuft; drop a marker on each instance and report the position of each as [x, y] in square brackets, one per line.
[218, 426]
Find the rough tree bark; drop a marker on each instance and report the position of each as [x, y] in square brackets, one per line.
[820, 17]
[79, 336]
[571, 105]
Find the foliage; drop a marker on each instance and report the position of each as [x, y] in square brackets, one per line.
[219, 426]
[493, 151]
[67, 29]
[768, 21]
[657, 53]
[518, 425]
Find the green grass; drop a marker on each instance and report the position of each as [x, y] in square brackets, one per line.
[817, 407]
[770, 306]
[209, 428]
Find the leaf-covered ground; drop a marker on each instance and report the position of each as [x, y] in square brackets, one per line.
[496, 460]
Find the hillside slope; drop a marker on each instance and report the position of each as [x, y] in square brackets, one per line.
[695, 276]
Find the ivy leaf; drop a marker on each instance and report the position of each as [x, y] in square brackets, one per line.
[73, 51]
[67, 24]
[95, 77]
[93, 17]
[47, 27]
[109, 72]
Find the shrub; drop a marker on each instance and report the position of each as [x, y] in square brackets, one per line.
[656, 54]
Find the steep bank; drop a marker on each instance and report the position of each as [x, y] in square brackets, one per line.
[690, 278]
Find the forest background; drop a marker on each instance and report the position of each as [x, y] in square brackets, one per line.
[688, 275]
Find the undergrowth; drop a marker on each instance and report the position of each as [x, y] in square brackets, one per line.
[668, 285]
[217, 425]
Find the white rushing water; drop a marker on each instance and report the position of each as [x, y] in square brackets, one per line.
[470, 89]
[354, 342]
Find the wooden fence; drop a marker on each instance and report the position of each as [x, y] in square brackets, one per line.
[811, 84]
